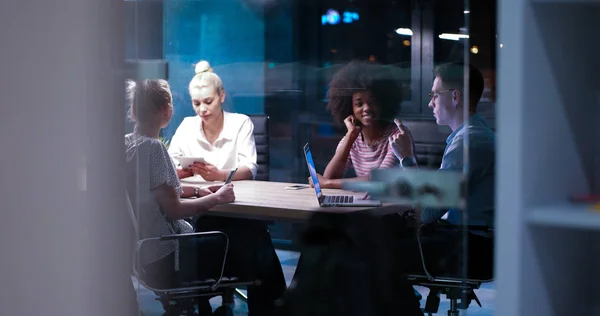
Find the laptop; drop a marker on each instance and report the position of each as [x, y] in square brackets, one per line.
[332, 200]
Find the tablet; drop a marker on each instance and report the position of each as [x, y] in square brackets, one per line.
[185, 162]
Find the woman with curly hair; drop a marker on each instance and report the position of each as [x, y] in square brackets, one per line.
[365, 98]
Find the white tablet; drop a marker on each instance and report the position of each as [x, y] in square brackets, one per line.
[185, 162]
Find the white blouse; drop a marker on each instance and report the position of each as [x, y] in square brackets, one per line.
[233, 148]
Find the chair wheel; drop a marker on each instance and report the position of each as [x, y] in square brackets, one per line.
[223, 310]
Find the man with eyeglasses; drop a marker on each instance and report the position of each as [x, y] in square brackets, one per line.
[442, 233]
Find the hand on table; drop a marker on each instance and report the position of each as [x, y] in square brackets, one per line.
[207, 171]
[213, 188]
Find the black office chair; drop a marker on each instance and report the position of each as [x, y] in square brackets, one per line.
[183, 299]
[261, 138]
[460, 291]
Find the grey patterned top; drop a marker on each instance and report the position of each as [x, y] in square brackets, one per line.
[148, 167]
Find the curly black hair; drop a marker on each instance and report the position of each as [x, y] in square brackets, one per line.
[361, 76]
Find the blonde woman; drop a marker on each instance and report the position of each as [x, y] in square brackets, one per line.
[223, 139]
[155, 190]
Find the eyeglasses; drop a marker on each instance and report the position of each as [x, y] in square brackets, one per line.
[435, 94]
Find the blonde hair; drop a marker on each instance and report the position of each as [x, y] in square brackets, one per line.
[206, 77]
[147, 98]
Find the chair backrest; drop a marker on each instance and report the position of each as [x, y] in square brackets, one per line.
[134, 232]
[134, 221]
[261, 138]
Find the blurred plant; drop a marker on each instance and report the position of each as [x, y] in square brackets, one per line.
[165, 141]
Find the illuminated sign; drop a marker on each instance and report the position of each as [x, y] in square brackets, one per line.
[333, 17]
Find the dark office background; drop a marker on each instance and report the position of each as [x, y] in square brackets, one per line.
[276, 59]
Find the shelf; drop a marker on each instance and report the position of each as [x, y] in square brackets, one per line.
[547, 248]
[565, 215]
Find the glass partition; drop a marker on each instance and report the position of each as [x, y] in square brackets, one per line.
[283, 59]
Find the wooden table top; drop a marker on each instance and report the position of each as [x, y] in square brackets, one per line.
[271, 201]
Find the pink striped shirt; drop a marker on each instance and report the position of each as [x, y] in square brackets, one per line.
[364, 158]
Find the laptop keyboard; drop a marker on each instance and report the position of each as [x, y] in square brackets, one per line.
[338, 199]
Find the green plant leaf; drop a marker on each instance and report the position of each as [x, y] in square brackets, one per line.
[165, 141]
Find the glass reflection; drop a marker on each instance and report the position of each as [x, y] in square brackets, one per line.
[281, 59]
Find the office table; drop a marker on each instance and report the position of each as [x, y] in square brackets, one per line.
[264, 200]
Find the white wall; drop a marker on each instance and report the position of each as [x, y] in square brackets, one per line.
[547, 109]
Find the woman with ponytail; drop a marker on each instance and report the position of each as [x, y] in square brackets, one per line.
[223, 139]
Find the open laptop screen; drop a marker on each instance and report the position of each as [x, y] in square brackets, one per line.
[312, 170]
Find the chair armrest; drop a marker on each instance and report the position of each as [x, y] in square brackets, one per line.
[191, 235]
[482, 228]
[181, 237]
[468, 227]
[422, 254]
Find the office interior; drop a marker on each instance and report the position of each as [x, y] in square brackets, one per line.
[64, 116]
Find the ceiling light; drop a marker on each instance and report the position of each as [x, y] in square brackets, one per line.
[452, 36]
[404, 31]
